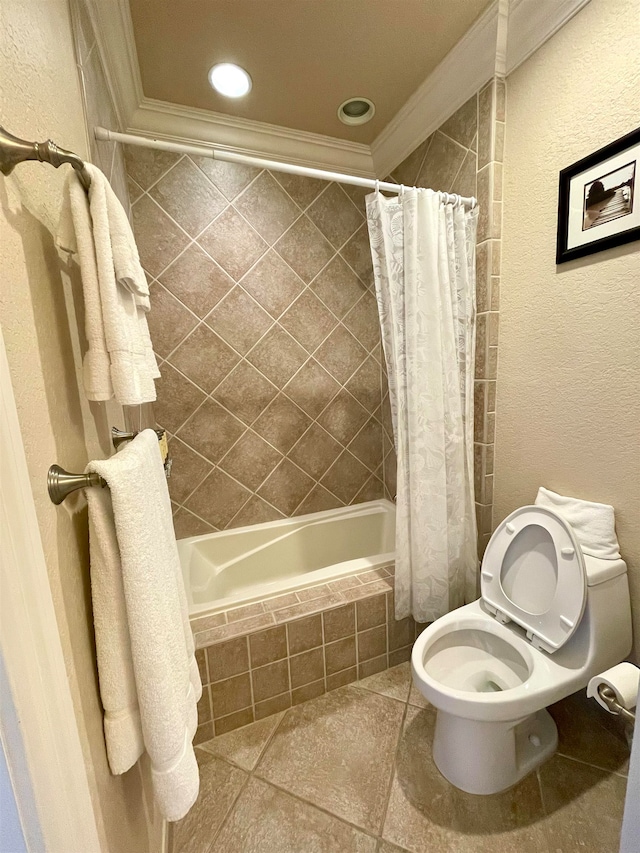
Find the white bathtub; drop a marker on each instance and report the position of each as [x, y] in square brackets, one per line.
[247, 564]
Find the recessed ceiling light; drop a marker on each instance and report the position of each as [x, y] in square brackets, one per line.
[356, 111]
[230, 80]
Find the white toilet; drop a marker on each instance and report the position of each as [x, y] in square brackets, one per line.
[549, 618]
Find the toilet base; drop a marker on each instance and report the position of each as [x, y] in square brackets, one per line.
[485, 758]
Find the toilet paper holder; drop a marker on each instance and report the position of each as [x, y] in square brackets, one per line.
[609, 698]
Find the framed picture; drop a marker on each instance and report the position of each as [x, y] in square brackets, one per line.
[599, 200]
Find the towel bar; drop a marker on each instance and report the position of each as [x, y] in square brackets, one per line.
[61, 483]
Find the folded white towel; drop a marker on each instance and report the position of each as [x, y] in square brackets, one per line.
[111, 259]
[148, 674]
[122, 726]
[594, 524]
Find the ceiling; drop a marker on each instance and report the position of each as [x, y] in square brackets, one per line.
[305, 56]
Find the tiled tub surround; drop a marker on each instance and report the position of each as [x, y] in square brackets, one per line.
[352, 772]
[465, 156]
[257, 660]
[265, 322]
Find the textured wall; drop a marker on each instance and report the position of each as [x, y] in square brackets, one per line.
[568, 410]
[465, 156]
[42, 99]
[265, 323]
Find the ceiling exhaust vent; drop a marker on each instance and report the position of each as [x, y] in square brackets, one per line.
[356, 111]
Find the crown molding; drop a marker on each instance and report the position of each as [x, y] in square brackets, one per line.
[461, 73]
[486, 49]
[149, 117]
[533, 22]
[500, 40]
[259, 139]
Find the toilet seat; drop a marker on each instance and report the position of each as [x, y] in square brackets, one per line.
[533, 572]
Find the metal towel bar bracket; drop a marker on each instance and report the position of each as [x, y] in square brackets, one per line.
[61, 483]
[121, 436]
[14, 150]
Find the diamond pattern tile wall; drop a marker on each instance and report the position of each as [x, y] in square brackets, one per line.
[264, 319]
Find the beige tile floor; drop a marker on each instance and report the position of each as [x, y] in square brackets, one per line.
[351, 772]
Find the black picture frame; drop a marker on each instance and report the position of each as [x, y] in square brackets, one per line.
[630, 142]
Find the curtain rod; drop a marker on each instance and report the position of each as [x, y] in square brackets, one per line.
[104, 135]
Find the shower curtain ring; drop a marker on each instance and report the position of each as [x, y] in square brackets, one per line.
[377, 186]
[401, 192]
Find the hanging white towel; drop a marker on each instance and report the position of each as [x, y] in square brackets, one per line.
[75, 235]
[149, 680]
[126, 260]
[110, 258]
[594, 524]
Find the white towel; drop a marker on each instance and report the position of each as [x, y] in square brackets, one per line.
[113, 280]
[594, 524]
[75, 235]
[126, 260]
[149, 680]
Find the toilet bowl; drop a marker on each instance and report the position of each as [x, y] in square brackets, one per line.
[549, 618]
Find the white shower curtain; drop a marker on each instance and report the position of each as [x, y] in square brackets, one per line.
[424, 267]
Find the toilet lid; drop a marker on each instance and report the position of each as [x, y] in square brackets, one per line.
[533, 572]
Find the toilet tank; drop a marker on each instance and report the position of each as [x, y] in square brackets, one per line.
[604, 636]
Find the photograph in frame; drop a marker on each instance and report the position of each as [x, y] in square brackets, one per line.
[598, 201]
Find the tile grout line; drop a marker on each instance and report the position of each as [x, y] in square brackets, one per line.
[228, 813]
[394, 765]
[286, 634]
[320, 808]
[540, 789]
[593, 766]
[250, 671]
[424, 157]
[467, 152]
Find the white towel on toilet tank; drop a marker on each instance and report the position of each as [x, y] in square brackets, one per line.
[149, 680]
[120, 361]
[594, 524]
